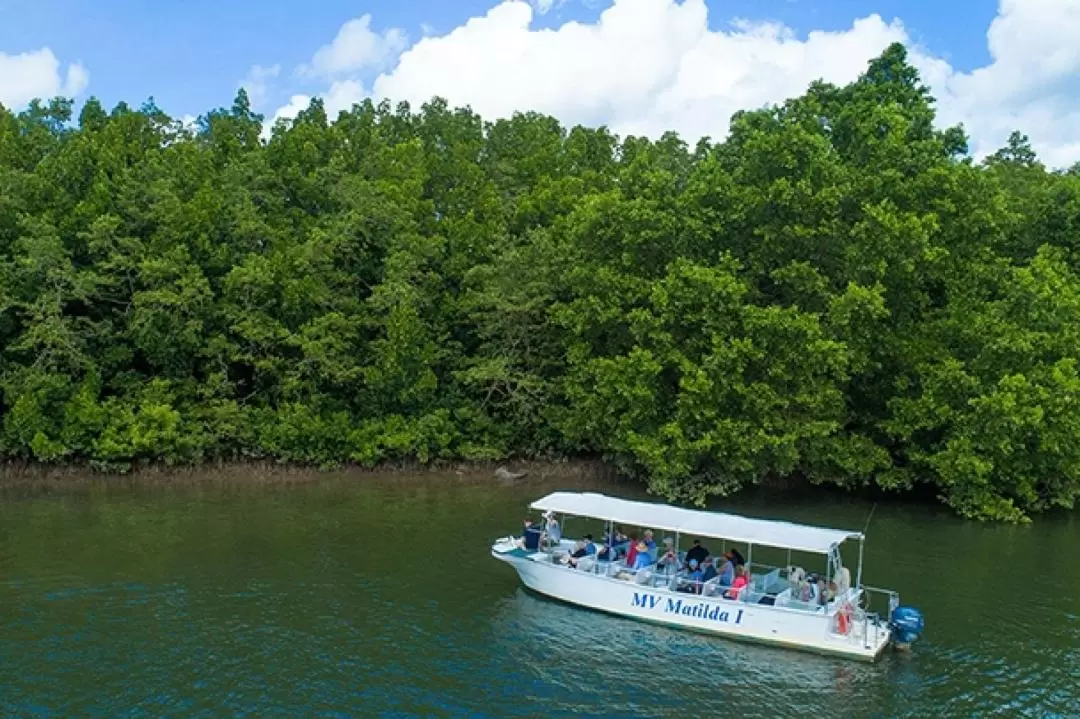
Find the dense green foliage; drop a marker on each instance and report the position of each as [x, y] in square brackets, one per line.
[835, 293]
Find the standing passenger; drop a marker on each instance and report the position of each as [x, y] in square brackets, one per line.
[554, 532]
[530, 539]
[698, 552]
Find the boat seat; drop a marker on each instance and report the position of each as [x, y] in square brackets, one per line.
[644, 576]
[586, 564]
[711, 588]
[785, 599]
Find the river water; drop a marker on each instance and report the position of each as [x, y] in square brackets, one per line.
[378, 598]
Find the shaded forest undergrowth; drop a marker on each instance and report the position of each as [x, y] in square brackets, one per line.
[835, 294]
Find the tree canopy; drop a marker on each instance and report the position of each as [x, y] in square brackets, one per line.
[835, 293]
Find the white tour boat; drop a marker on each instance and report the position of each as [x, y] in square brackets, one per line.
[772, 608]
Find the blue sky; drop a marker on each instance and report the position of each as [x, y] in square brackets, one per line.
[191, 55]
[638, 66]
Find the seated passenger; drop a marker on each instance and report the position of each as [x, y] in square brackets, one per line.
[742, 578]
[826, 595]
[606, 553]
[808, 589]
[727, 570]
[631, 552]
[642, 557]
[668, 563]
[734, 556]
[650, 544]
[530, 539]
[579, 552]
[693, 579]
[618, 541]
[710, 570]
[698, 552]
[590, 545]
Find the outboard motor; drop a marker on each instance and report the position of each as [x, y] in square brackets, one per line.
[907, 625]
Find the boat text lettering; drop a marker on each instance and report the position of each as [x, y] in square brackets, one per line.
[698, 610]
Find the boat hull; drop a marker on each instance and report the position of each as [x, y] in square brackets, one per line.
[742, 621]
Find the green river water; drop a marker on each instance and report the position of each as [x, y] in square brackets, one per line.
[353, 596]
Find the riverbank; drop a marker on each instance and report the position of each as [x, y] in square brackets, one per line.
[36, 478]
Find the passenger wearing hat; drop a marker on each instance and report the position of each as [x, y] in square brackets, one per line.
[709, 571]
[692, 584]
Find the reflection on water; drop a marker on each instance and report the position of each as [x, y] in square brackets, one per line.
[346, 599]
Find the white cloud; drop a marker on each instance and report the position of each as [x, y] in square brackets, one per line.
[296, 104]
[356, 47]
[36, 74]
[647, 66]
[1032, 83]
[340, 96]
[256, 82]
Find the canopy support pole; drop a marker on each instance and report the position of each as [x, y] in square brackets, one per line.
[858, 572]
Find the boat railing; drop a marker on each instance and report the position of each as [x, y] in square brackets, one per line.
[872, 597]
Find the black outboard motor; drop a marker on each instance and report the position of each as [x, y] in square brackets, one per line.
[907, 625]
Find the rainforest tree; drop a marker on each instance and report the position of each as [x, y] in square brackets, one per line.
[836, 293]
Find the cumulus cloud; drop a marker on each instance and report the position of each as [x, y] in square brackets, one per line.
[257, 82]
[648, 66]
[1032, 82]
[340, 96]
[36, 74]
[356, 47]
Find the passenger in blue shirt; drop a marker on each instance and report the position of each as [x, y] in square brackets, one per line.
[692, 584]
[590, 546]
[710, 571]
[530, 539]
[650, 544]
[727, 571]
[643, 558]
[618, 541]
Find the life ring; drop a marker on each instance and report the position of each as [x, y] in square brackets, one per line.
[843, 619]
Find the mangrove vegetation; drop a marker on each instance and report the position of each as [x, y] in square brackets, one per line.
[836, 293]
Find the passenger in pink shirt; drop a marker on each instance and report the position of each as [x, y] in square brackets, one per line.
[742, 578]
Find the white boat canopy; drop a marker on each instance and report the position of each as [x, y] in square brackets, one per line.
[698, 523]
